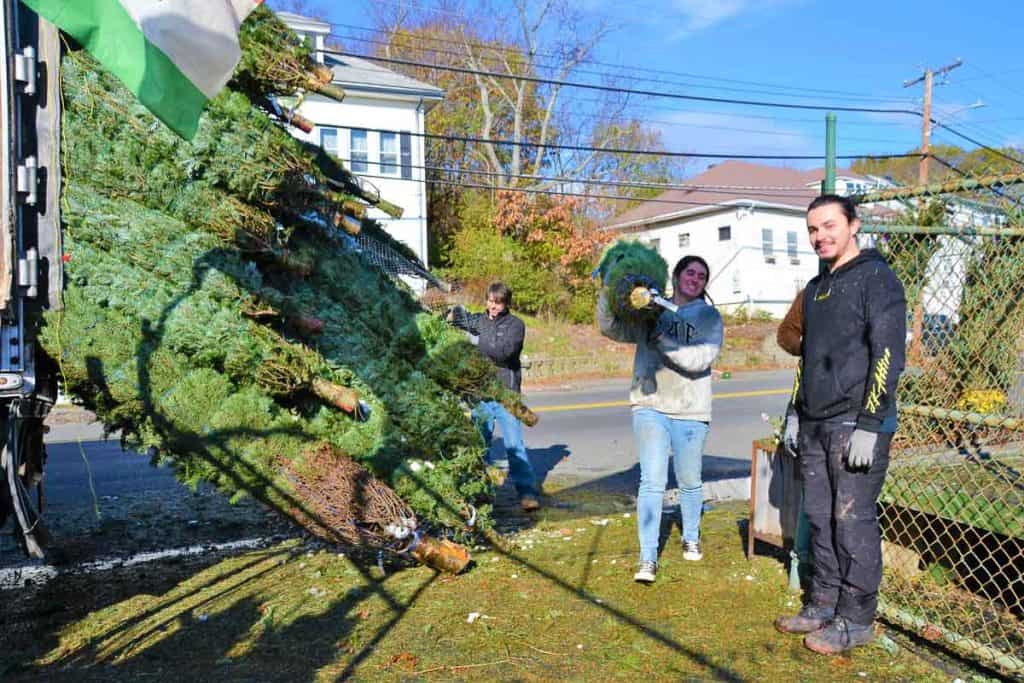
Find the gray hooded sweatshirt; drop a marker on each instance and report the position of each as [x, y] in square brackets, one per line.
[672, 364]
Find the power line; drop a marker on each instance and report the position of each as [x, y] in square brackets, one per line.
[738, 190]
[757, 117]
[626, 67]
[629, 91]
[655, 107]
[640, 152]
[756, 131]
[971, 140]
[683, 124]
[557, 193]
[660, 81]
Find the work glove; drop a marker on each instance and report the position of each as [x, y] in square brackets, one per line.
[791, 433]
[861, 451]
[456, 314]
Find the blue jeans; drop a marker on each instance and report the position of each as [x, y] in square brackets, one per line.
[519, 467]
[657, 437]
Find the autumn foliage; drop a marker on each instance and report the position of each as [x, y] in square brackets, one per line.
[543, 246]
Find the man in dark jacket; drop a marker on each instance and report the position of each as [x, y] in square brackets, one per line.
[854, 323]
[499, 335]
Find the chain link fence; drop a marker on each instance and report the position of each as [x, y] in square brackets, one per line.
[952, 510]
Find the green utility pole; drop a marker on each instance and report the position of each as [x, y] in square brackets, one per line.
[828, 185]
[801, 553]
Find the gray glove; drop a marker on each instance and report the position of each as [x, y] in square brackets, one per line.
[861, 452]
[791, 435]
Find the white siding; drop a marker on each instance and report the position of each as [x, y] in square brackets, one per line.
[740, 260]
[373, 114]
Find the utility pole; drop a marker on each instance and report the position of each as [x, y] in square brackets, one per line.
[928, 78]
[828, 185]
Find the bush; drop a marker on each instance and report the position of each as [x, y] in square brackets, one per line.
[480, 256]
[582, 305]
[540, 247]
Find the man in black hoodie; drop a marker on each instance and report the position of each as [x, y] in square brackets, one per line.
[844, 407]
[499, 335]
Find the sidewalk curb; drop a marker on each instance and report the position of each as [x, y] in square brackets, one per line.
[737, 488]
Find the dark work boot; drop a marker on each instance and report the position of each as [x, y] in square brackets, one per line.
[839, 636]
[809, 619]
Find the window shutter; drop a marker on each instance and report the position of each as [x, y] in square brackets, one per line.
[406, 148]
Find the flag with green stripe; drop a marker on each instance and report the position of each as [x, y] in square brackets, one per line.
[175, 55]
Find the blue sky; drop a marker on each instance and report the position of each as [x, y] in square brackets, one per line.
[799, 51]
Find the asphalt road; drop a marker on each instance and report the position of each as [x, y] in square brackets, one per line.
[587, 433]
[584, 432]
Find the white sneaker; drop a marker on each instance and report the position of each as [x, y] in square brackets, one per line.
[645, 571]
[691, 551]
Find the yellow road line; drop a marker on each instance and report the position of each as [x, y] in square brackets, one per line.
[620, 404]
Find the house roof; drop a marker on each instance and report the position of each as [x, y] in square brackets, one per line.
[298, 22]
[733, 183]
[355, 73]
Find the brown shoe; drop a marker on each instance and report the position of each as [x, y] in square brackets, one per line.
[529, 503]
[808, 620]
[839, 636]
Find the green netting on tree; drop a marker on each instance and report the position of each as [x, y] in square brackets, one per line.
[626, 264]
[190, 299]
[214, 313]
[120, 147]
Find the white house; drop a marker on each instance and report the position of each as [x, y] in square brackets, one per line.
[377, 130]
[748, 221]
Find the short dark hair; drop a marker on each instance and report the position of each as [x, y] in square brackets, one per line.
[501, 293]
[845, 203]
[687, 260]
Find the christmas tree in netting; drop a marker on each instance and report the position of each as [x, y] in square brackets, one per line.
[627, 268]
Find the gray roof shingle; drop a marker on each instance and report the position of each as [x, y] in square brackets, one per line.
[732, 182]
[355, 73]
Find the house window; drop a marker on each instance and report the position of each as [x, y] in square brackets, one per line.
[768, 245]
[791, 238]
[684, 240]
[725, 233]
[737, 282]
[358, 154]
[389, 153]
[655, 244]
[329, 141]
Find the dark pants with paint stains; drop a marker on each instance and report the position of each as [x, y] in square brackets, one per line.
[842, 508]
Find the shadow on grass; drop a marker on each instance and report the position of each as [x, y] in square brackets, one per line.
[167, 633]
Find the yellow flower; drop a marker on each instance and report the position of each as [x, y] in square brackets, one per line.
[982, 400]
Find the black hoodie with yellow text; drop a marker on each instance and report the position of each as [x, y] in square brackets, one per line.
[853, 347]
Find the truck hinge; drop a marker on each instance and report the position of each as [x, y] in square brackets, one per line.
[25, 69]
[27, 180]
[28, 273]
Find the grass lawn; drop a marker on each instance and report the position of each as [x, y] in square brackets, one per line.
[560, 605]
[986, 494]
